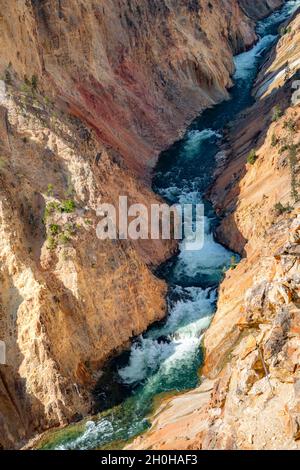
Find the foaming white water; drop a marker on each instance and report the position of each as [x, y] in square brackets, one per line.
[278, 16]
[172, 193]
[145, 357]
[187, 194]
[89, 438]
[189, 197]
[151, 356]
[195, 139]
[164, 352]
[244, 62]
[210, 258]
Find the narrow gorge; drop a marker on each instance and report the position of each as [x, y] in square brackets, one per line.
[103, 337]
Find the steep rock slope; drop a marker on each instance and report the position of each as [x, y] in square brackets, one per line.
[68, 300]
[257, 10]
[135, 71]
[249, 398]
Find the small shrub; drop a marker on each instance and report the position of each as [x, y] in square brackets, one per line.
[54, 229]
[277, 113]
[233, 262]
[290, 125]
[50, 209]
[7, 77]
[283, 149]
[25, 89]
[293, 151]
[70, 229]
[281, 209]
[51, 243]
[50, 189]
[68, 206]
[26, 80]
[47, 101]
[2, 163]
[275, 140]
[285, 30]
[252, 157]
[64, 239]
[34, 82]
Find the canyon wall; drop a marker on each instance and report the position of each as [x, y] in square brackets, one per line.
[250, 393]
[135, 71]
[90, 92]
[257, 9]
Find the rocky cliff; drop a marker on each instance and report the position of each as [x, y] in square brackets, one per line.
[90, 92]
[135, 71]
[257, 9]
[250, 394]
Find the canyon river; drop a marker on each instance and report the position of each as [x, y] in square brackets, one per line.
[167, 358]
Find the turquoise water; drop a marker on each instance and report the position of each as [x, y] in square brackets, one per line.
[168, 356]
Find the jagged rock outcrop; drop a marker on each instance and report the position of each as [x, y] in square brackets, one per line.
[249, 398]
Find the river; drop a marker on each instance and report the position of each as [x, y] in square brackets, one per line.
[168, 356]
